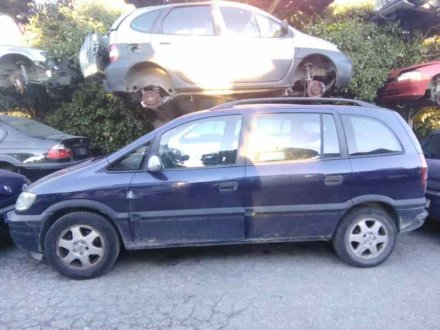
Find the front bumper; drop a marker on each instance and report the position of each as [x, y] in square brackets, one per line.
[25, 231]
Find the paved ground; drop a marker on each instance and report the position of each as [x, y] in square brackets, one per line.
[289, 286]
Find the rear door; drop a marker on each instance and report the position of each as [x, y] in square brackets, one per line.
[298, 179]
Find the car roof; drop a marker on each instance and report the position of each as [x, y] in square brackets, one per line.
[192, 3]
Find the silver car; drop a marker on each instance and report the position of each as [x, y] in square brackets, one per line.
[211, 48]
[20, 66]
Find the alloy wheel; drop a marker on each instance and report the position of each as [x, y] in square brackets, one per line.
[368, 238]
[80, 247]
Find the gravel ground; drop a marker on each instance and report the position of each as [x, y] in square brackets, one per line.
[279, 286]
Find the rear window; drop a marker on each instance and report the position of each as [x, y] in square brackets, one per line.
[145, 22]
[369, 136]
[31, 127]
[293, 137]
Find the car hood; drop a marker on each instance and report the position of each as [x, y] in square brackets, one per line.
[39, 185]
[397, 72]
[35, 54]
[11, 185]
[303, 40]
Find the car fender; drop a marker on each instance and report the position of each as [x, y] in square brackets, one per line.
[119, 219]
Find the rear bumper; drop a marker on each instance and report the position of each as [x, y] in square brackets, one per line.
[38, 170]
[412, 217]
[25, 231]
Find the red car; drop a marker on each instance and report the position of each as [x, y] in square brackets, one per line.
[413, 84]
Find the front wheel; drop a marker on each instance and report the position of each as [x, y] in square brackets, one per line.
[365, 237]
[81, 245]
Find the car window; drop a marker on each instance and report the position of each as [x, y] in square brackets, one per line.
[269, 28]
[201, 143]
[132, 161]
[189, 21]
[369, 136]
[31, 127]
[145, 22]
[239, 21]
[431, 147]
[291, 137]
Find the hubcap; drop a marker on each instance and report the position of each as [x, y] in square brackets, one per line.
[80, 246]
[368, 238]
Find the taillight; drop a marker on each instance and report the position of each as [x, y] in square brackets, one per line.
[59, 151]
[424, 173]
[113, 53]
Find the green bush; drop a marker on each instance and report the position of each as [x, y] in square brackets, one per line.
[108, 121]
[374, 49]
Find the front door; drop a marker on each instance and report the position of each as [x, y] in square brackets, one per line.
[298, 183]
[198, 197]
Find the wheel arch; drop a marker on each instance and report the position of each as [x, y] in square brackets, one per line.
[146, 74]
[383, 203]
[57, 211]
[313, 57]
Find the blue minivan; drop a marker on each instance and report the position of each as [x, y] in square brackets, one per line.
[250, 171]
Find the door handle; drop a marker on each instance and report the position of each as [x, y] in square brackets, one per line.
[165, 43]
[228, 186]
[334, 180]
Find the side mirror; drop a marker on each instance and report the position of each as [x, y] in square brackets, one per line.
[284, 28]
[154, 164]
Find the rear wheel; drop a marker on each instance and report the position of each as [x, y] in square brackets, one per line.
[81, 245]
[365, 237]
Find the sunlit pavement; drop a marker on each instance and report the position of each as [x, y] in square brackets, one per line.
[288, 286]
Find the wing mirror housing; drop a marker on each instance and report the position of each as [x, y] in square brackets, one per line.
[155, 164]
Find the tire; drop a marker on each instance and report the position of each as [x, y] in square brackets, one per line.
[81, 245]
[365, 237]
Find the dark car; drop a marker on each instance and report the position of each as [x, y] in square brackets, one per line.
[11, 185]
[417, 84]
[431, 149]
[255, 171]
[35, 149]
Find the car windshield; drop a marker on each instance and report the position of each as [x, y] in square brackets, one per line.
[31, 127]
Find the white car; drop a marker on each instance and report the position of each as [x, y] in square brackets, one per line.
[211, 48]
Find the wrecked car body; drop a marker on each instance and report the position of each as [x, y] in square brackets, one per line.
[211, 48]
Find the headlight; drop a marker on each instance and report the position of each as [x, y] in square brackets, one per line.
[412, 75]
[25, 201]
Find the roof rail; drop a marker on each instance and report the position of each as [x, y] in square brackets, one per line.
[295, 100]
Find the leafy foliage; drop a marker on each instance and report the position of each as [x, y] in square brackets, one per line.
[60, 27]
[426, 121]
[374, 49]
[107, 120]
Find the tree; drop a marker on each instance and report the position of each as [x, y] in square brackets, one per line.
[109, 121]
[374, 49]
[17, 9]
